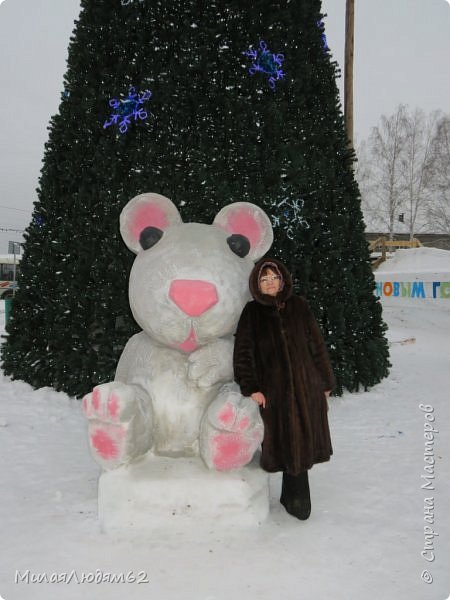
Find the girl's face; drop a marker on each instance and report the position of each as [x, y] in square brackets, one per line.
[270, 283]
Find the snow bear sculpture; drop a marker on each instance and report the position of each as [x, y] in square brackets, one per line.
[173, 393]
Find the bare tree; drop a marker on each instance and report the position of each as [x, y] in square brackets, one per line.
[438, 178]
[380, 168]
[363, 175]
[415, 160]
[404, 171]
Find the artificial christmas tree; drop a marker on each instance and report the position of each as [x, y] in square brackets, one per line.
[207, 103]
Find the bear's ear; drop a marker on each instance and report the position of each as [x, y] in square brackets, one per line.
[251, 222]
[144, 219]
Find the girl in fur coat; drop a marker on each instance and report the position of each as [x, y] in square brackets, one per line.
[281, 362]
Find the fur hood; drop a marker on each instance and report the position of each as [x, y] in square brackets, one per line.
[283, 294]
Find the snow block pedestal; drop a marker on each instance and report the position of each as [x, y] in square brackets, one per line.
[162, 493]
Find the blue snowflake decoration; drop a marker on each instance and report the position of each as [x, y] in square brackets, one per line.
[289, 216]
[266, 62]
[128, 109]
[322, 35]
[39, 220]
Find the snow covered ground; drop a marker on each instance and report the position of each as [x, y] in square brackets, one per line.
[364, 540]
[416, 260]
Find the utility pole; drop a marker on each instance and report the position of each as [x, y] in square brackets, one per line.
[348, 69]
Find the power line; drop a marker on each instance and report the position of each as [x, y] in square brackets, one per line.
[18, 209]
[15, 230]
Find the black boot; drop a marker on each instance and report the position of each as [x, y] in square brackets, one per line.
[295, 495]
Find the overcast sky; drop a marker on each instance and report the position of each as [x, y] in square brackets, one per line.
[402, 55]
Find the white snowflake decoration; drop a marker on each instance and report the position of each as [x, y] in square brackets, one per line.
[288, 216]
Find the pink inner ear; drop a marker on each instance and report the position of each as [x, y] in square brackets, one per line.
[244, 223]
[148, 215]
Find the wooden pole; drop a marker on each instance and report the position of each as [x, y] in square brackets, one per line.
[348, 69]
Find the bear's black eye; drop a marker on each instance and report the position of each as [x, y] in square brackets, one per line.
[149, 237]
[239, 244]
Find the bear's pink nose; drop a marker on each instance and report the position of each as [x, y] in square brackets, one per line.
[194, 297]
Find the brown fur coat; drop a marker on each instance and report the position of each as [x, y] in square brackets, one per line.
[279, 351]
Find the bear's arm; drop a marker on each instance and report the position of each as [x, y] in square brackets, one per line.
[136, 359]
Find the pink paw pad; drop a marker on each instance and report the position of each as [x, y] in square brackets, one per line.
[113, 406]
[243, 423]
[107, 441]
[85, 406]
[96, 399]
[227, 415]
[230, 451]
